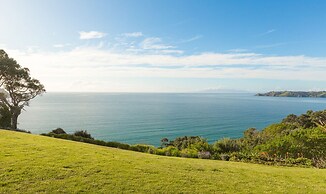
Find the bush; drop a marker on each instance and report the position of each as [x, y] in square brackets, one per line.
[82, 133]
[277, 129]
[298, 161]
[5, 116]
[59, 131]
[189, 153]
[160, 151]
[204, 155]
[240, 156]
[118, 145]
[227, 145]
[190, 142]
[319, 162]
[142, 148]
[171, 151]
[225, 157]
[216, 156]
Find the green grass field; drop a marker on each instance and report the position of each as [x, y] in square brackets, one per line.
[37, 164]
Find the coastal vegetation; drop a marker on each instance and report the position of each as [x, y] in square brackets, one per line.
[37, 164]
[312, 94]
[296, 141]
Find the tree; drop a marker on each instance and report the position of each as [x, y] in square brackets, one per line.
[5, 116]
[17, 85]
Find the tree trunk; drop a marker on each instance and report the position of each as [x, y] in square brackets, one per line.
[15, 112]
[14, 119]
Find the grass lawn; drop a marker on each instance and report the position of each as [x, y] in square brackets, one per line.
[33, 163]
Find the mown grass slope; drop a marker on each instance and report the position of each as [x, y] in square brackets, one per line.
[33, 163]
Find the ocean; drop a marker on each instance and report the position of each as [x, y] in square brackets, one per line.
[144, 118]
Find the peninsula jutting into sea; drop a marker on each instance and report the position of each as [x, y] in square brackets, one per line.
[312, 94]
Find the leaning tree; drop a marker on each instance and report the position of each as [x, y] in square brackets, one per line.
[17, 86]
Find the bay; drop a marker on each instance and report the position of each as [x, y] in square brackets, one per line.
[137, 118]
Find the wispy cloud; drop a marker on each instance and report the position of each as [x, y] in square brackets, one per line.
[154, 43]
[270, 45]
[238, 50]
[192, 39]
[91, 35]
[133, 34]
[172, 51]
[61, 45]
[267, 32]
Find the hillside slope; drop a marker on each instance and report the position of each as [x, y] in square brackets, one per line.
[33, 163]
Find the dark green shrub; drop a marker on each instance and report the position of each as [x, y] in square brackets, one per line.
[82, 133]
[58, 131]
[5, 117]
[118, 145]
[190, 142]
[227, 145]
[275, 130]
[304, 121]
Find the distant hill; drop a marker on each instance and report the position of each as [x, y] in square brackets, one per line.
[313, 94]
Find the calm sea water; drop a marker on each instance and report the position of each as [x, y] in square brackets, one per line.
[147, 118]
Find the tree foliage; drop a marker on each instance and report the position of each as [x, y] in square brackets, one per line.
[5, 116]
[18, 87]
[83, 133]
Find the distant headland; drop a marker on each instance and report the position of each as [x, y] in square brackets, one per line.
[312, 94]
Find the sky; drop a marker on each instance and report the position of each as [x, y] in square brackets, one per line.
[168, 45]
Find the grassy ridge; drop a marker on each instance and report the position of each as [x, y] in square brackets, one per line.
[33, 163]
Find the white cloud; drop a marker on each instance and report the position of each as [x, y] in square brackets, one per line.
[171, 51]
[133, 34]
[154, 43]
[61, 45]
[91, 35]
[96, 65]
[238, 50]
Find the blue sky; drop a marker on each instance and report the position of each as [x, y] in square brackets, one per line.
[168, 46]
